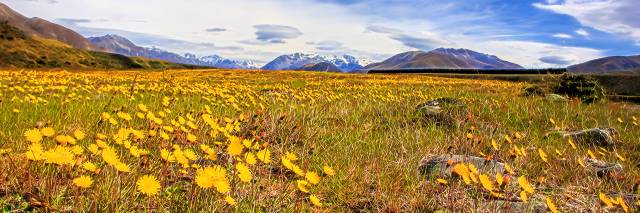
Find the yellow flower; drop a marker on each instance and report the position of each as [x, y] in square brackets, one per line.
[543, 155]
[89, 166]
[243, 172]
[522, 180]
[250, 158]
[212, 177]
[551, 205]
[486, 182]
[462, 170]
[523, 196]
[83, 181]
[60, 155]
[328, 171]
[33, 135]
[315, 200]
[79, 135]
[291, 156]
[264, 156]
[191, 138]
[35, 152]
[47, 131]
[230, 200]
[148, 185]
[302, 185]
[312, 177]
[121, 167]
[235, 147]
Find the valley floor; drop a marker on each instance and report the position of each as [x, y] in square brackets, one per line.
[298, 141]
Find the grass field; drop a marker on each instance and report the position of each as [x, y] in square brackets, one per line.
[294, 142]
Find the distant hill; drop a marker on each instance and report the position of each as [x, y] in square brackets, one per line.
[44, 29]
[444, 58]
[20, 50]
[345, 63]
[121, 45]
[608, 65]
[320, 67]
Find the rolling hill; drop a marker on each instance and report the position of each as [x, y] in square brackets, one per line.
[20, 50]
[608, 65]
[320, 67]
[443, 58]
[44, 29]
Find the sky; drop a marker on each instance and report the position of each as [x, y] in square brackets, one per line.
[532, 33]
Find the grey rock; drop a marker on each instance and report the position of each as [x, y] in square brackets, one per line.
[442, 165]
[556, 98]
[442, 110]
[602, 168]
[595, 136]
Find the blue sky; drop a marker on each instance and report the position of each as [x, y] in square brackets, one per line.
[533, 33]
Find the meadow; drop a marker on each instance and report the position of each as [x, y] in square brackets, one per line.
[254, 141]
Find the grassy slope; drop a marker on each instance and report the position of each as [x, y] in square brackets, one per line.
[362, 125]
[18, 51]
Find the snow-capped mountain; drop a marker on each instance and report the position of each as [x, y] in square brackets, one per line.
[120, 45]
[345, 63]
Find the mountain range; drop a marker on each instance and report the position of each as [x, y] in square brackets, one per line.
[608, 64]
[35, 42]
[444, 58]
[298, 61]
[120, 45]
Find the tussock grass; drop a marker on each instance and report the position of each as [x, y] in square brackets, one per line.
[363, 126]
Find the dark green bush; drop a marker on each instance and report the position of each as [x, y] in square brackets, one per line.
[580, 86]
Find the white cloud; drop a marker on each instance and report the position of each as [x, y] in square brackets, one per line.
[352, 29]
[563, 35]
[582, 32]
[613, 16]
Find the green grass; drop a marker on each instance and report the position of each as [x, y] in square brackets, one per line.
[364, 126]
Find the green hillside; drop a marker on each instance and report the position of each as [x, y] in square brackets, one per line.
[20, 51]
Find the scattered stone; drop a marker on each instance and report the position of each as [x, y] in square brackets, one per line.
[556, 98]
[601, 168]
[595, 136]
[442, 165]
[442, 110]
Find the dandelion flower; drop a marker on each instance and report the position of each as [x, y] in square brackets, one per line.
[235, 148]
[250, 158]
[302, 185]
[522, 181]
[60, 155]
[551, 205]
[328, 171]
[486, 182]
[230, 200]
[33, 135]
[35, 152]
[243, 172]
[89, 167]
[442, 181]
[191, 138]
[606, 200]
[148, 185]
[462, 171]
[79, 135]
[523, 196]
[264, 156]
[83, 181]
[47, 131]
[212, 177]
[315, 200]
[312, 177]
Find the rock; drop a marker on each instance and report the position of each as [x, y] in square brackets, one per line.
[556, 98]
[595, 136]
[442, 165]
[601, 168]
[442, 110]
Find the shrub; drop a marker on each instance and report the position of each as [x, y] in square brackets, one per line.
[580, 86]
